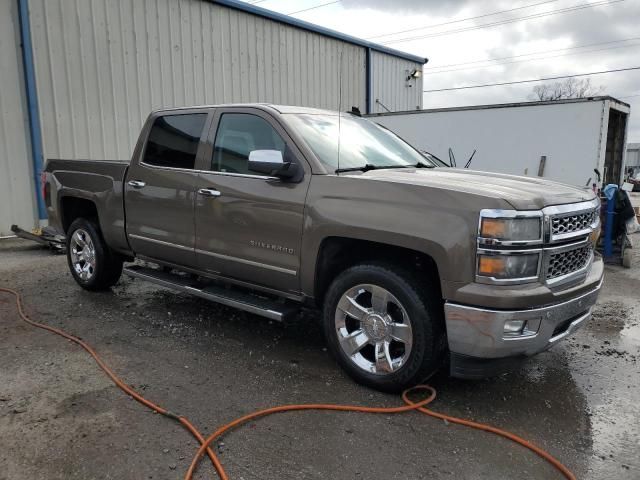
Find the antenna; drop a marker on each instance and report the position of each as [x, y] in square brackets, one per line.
[452, 158]
[339, 103]
[470, 158]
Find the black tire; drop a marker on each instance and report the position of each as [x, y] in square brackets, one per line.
[108, 264]
[424, 309]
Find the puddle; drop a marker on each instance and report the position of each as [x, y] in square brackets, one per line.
[607, 370]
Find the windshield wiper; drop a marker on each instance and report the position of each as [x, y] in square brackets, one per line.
[423, 165]
[367, 166]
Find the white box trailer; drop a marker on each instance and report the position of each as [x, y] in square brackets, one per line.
[562, 140]
[633, 155]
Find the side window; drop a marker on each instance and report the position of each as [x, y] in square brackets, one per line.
[237, 135]
[173, 140]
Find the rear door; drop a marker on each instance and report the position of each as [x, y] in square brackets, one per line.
[160, 188]
[248, 225]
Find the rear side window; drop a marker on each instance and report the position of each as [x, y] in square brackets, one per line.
[238, 134]
[173, 140]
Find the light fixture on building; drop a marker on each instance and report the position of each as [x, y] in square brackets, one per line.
[414, 74]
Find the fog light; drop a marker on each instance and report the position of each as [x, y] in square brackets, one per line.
[514, 328]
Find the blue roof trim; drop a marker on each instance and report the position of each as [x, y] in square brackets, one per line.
[279, 17]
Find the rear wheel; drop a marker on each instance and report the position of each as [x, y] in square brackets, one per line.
[383, 329]
[93, 265]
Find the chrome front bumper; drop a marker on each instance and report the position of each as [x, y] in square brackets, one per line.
[479, 332]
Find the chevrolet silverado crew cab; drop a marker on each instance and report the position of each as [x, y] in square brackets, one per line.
[266, 208]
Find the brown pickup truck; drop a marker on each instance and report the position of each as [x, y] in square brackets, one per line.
[266, 208]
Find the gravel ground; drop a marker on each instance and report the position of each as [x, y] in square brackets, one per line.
[61, 418]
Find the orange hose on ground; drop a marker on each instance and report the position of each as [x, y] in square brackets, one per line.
[205, 444]
[410, 405]
[114, 378]
[488, 428]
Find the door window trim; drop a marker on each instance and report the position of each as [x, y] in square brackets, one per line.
[229, 174]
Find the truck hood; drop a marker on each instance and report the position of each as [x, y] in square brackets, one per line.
[523, 193]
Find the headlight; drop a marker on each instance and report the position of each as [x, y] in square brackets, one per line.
[508, 266]
[499, 231]
[525, 229]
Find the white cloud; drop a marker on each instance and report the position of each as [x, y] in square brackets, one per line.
[605, 23]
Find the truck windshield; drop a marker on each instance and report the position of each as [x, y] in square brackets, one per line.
[363, 144]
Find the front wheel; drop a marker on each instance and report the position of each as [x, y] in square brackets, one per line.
[93, 265]
[384, 327]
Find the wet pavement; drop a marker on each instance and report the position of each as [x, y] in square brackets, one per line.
[61, 418]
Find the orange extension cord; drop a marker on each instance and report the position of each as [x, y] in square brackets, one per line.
[204, 444]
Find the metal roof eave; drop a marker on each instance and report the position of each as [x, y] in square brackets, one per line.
[279, 17]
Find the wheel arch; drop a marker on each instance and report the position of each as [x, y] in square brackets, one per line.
[337, 253]
[73, 207]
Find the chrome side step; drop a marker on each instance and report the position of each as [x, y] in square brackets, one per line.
[241, 300]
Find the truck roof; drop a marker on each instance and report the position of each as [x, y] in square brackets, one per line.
[264, 106]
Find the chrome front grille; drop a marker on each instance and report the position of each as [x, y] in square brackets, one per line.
[572, 223]
[567, 262]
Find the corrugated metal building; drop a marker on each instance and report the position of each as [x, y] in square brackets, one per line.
[91, 71]
[17, 197]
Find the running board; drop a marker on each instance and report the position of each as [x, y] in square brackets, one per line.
[241, 300]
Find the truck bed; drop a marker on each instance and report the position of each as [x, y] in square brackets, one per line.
[96, 181]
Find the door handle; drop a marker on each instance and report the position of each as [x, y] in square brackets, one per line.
[209, 192]
[136, 183]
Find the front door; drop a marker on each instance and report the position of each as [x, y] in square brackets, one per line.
[160, 189]
[248, 225]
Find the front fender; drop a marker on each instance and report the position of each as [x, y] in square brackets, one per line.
[440, 225]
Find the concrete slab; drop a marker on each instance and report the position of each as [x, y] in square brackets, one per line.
[60, 417]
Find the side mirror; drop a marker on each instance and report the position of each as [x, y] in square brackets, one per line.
[274, 163]
[266, 161]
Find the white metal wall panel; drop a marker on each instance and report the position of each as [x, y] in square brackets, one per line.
[17, 200]
[390, 85]
[101, 67]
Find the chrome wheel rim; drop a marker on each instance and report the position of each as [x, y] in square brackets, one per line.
[373, 329]
[83, 254]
